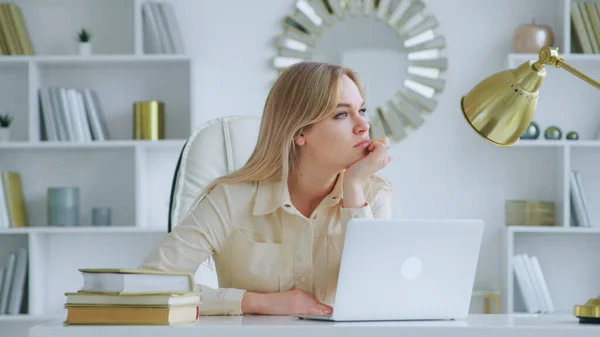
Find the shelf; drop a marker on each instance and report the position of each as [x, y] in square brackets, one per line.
[110, 144]
[29, 318]
[584, 143]
[12, 63]
[51, 60]
[81, 230]
[563, 253]
[540, 143]
[131, 177]
[558, 143]
[554, 230]
[574, 60]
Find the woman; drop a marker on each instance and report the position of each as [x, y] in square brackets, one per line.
[275, 227]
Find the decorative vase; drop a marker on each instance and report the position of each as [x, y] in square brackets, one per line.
[530, 38]
[572, 135]
[101, 216]
[148, 120]
[4, 134]
[63, 206]
[553, 132]
[532, 131]
[85, 48]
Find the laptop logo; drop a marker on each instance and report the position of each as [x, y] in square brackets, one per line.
[411, 268]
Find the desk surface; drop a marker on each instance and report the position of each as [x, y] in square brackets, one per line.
[250, 326]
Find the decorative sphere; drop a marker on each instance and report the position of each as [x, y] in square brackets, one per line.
[531, 37]
[552, 132]
[572, 135]
[532, 131]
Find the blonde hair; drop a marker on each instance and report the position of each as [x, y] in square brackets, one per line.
[303, 94]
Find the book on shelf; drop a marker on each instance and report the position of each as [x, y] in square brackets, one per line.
[69, 114]
[578, 201]
[133, 297]
[14, 37]
[585, 27]
[13, 276]
[161, 29]
[532, 284]
[13, 212]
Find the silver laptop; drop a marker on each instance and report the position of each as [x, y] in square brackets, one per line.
[406, 270]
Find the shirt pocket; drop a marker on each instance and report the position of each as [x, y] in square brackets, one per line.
[255, 266]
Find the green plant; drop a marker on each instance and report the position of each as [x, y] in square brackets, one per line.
[84, 35]
[5, 121]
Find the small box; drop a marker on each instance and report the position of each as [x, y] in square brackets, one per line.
[529, 213]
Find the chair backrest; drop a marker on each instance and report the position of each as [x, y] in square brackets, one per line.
[215, 148]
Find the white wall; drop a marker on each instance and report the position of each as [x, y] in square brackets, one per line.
[443, 170]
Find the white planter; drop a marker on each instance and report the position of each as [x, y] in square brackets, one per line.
[85, 48]
[4, 134]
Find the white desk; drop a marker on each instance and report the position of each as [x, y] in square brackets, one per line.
[254, 326]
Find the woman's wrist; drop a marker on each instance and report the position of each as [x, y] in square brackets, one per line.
[354, 195]
[252, 303]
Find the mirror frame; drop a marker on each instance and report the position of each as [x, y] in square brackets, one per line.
[416, 30]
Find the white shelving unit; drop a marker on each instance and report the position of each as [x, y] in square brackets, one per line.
[566, 253]
[132, 177]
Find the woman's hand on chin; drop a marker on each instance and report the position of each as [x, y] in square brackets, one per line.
[376, 159]
[357, 173]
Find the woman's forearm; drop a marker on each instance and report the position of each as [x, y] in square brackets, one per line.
[252, 303]
[354, 195]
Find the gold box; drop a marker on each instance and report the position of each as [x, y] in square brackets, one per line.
[529, 213]
[149, 120]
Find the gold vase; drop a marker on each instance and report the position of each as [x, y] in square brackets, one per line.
[149, 120]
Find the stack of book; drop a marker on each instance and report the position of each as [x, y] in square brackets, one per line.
[133, 297]
[532, 283]
[69, 114]
[13, 211]
[161, 29]
[13, 289]
[14, 37]
[579, 204]
[585, 25]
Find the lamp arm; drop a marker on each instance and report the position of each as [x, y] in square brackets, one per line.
[550, 57]
[562, 64]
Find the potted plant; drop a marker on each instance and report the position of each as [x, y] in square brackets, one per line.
[5, 121]
[84, 40]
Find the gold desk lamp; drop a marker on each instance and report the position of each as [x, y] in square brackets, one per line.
[500, 109]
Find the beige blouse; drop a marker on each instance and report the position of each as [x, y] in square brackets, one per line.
[261, 243]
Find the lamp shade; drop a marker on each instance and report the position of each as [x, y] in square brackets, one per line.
[500, 107]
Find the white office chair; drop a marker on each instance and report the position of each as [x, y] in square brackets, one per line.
[215, 148]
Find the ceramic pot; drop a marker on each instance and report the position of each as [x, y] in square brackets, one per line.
[530, 38]
[4, 134]
[85, 48]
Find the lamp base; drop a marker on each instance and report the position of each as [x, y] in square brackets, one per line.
[589, 320]
[589, 313]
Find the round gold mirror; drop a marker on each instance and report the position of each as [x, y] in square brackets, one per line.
[392, 44]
